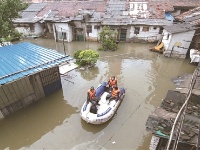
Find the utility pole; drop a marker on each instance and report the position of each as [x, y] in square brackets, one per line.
[63, 41]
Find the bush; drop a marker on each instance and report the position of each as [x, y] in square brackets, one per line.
[108, 39]
[86, 57]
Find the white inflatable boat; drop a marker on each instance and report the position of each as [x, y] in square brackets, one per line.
[105, 110]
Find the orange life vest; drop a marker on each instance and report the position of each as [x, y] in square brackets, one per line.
[92, 94]
[115, 92]
[112, 82]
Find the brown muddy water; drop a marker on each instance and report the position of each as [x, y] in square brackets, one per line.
[54, 122]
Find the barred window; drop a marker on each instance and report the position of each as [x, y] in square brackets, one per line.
[137, 30]
[89, 29]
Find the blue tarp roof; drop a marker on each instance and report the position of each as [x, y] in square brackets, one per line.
[169, 17]
[19, 60]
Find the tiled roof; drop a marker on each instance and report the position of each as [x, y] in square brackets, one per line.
[192, 16]
[158, 8]
[23, 59]
[71, 8]
[178, 28]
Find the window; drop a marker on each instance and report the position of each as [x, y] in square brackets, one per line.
[32, 27]
[132, 7]
[89, 28]
[62, 35]
[145, 29]
[154, 28]
[166, 36]
[96, 27]
[137, 30]
[161, 30]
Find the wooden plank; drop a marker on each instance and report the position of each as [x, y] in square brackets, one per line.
[29, 86]
[3, 98]
[21, 88]
[12, 92]
[8, 95]
[39, 86]
[26, 92]
[17, 90]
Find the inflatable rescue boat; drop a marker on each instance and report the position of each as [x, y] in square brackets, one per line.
[104, 109]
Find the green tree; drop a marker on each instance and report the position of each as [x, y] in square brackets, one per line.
[86, 57]
[9, 10]
[108, 39]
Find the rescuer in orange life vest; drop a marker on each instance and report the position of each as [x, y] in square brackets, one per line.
[114, 94]
[91, 96]
[112, 82]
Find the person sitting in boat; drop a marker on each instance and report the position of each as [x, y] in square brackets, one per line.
[91, 96]
[114, 94]
[112, 82]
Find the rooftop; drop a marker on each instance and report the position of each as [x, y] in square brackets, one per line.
[192, 16]
[178, 28]
[24, 59]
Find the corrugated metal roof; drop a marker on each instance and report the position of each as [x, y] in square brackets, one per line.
[19, 60]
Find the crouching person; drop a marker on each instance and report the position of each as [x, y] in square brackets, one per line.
[91, 96]
[114, 94]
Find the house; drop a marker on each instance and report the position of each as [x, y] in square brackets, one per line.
[177, 39]
[116, 20]
[28, 73]
[134, 20]
[192, 17]
[29, 24]
[147, 17]
[88, 20]
[73, 20]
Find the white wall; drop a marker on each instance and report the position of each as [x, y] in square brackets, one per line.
[151, 35]
[166, 39]
[135, 7]
[95, 32]
[38, 30]
[65, 28]
[179, 44]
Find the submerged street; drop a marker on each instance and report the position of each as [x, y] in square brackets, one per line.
[54, 122]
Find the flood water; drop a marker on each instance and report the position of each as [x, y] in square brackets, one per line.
[54, 122]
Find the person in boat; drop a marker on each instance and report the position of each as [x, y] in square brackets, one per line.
[114, 94]
[91, 96]
[112, 82]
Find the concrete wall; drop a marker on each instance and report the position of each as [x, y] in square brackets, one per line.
[38, 30]
[150, 36]
[138, 7]
[66, 29]
[178, 44]
[93, 36]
